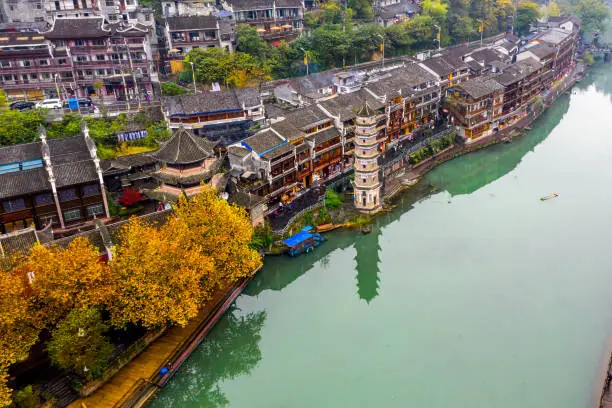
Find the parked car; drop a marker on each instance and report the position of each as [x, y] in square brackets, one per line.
[22, 105]
[50, 104]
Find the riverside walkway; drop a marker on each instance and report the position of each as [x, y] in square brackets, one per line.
[139, 380]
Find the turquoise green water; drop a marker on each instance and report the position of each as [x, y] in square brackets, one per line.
[472, 293]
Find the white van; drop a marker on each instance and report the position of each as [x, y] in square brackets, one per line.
[50, 104]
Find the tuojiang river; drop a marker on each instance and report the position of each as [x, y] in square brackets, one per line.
[471, 293]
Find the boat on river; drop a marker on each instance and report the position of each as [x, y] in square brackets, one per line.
[303, 242]
[548, 197]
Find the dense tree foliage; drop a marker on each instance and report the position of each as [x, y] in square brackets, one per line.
[526, 16]
[158, 275]
[78, 344]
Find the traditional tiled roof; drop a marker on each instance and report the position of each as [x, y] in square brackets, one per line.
[18, 242]
[325, 135]
[305, 118]
[401, 82]
[440, 66]
[238, 151]
[82, 28]
[518, 71]
[542, 51]
[278, 151]
[263, 141]
[487, 56]
[230, 100]
[24, 182]
[286, 128]
[127, 162]
[71, 161]
[192, 23]
[553, 36]
[389, 12]
[310, 84]
[346, 105]
[19, 153]
[365, 111]
[79, 172]
[479, 87]
[185, 148]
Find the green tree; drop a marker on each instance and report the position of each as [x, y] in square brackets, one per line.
[436, 9]
[250, 42]
[70, 125]
[592, 13]
[78, 343]
[362, 9]
[27, 397]
[526, 16]
[170, 88]
[98, 85]
[552, 10]
[19, 127]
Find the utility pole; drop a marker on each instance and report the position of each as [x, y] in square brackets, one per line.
[438, 36]
[382, 48]
[195, 90]
[127, 49]
[305, 59]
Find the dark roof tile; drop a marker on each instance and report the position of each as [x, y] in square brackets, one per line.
[192, 23]
[84, 27]
[184, 148]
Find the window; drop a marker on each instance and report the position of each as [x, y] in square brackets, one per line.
[79, 43]
[110, 3]
[95, 210]
[14, 205]
[112, 17]
[67, 195]
[99, 57]
[100, 72]
[39, 19]
[61, 61]
[4, 63]
[91, 189]
[98, 42]
[43, 62]
[147, 17]
[72, 215]
[43, 199]
[26, 63]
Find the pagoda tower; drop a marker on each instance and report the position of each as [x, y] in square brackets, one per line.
[367, 171]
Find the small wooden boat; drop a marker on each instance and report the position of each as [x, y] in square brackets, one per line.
[327, 227]
[303, 242]
[548, 197]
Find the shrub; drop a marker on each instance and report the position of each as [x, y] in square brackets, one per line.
[170, 88]
[588, 58]
[28, 397]
[323, 216]
[332, 199]
[78, 343]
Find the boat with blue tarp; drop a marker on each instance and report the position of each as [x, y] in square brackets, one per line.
[303, 242]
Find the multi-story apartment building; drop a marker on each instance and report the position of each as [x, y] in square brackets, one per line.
[564, 42]
[475, 107]
[30, 68]
[117, 55]
[275, 20]
[411, 96]
[188, 32]
[55, 182]
[23, 11]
